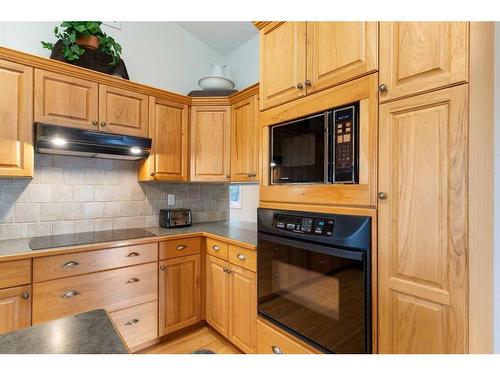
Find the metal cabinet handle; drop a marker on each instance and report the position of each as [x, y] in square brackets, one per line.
[103, 123]
[70, 264]
[241, 257]
[133, 254]
[308, 83]
[132, 322]
[382, 195]
[25, 295]
[181, 247]
[70, 294]
[163, 268]
[216, 248]
[94, 123]
[382, 88]
[133, 280]
[300, 86]
[276, 349]
[152, 174]
[227, 270]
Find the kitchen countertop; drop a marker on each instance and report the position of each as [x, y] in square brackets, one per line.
[241, 232]
[91, 332]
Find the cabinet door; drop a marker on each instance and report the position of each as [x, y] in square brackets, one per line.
[421, 56]
[168, 123]
[122, 111]
[243, 308]
[339, 51]
[210, 148]
[180, 297]
[423, 224]
[282, 63]
[64, 100]
[217, 294]
[244, 140]
[15, 308]
[16, 120]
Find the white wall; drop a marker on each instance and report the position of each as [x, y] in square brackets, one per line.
[496, 274]
[244, 63]
[249, 204]
[160, 54]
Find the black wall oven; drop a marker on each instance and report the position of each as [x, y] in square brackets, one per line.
[322, 148]
[314, 277]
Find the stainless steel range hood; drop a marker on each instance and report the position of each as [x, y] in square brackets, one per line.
[59, 140]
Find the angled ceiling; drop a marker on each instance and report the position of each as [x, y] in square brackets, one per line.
[224, 37]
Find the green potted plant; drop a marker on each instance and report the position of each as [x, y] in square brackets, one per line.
[83, 43]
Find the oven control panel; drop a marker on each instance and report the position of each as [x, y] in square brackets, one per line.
[306, 225]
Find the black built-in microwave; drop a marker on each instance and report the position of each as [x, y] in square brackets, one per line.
[321, 148]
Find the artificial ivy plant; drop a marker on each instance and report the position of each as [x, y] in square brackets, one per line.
[69, 33]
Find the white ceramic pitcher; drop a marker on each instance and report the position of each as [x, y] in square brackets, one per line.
[219, 70]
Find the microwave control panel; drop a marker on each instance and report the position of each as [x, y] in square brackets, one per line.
[344, 138]
[306, 225]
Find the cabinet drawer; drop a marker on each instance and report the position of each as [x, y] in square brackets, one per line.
[109, 290]
[180, 247]
[217, 248]
[243, 257]
[14, 273]
[57, 266]
[271, 341]
[137, 324]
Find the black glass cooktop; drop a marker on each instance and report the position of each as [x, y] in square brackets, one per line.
[74, 239]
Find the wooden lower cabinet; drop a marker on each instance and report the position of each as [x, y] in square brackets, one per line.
[216, 309]
[110, 290]
[231, 302]
[422, 224]
[271, 341]
[15, 308]
[179, 293]
[137, 324]
[242, 308]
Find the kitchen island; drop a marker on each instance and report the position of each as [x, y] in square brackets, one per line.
[90, 332]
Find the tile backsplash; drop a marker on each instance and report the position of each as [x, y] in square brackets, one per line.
[71, 194]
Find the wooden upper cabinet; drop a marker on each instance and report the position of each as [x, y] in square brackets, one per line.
[168, 128]
[217, 294]
[282, 63]
[16, 120]
[123, 111]
[339, 51]
[243, 308]
[65, 100]
[422, 226]
[420, 56]
[180, 293]
[210, 143]
[245, 140]
[15, 308]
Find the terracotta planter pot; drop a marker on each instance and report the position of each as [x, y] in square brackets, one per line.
[90, 42]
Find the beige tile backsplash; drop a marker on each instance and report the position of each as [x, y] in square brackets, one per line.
[70, 194]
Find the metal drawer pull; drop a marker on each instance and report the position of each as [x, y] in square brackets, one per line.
[181, 247]
[132, 322]
[276, 350]
[133, 254]
[226, 270]
[216, 248]
[70, 264]
[25, 295]
[241, 257]
[132, 280]
[70, 294]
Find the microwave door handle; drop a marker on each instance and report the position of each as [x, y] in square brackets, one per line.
[326, 158]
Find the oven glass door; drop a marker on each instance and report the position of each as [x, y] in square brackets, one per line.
[298, 151]
[317, 294]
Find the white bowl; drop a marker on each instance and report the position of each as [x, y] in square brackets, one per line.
[216, 83]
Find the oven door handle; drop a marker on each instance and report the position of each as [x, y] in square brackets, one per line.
[329, 250]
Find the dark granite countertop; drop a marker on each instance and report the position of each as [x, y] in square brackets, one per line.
[87, 333]
[243, 232]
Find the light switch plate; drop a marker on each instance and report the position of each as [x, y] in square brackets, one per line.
[170, 199]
